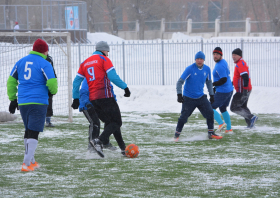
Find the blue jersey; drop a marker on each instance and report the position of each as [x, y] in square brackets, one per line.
[221, 70]
[194, 80]
[32, 73]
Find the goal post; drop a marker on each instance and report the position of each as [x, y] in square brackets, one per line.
[16, 45]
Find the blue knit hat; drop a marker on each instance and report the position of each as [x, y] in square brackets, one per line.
[199, 54]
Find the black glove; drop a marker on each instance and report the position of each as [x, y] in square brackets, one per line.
[245, 95]
[75, 104]
[212, 99]
[13, 106]
[126, 92]
[180, 98]
[214, 90]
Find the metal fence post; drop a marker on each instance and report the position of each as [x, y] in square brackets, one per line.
[80, 52]
[202, 44]
[123, 61]
[162, 47]
[242, 46]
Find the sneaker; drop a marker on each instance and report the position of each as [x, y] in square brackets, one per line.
[26, 168]
[212, 135]
[123, 153]
[228, 131]
[253, 121]
[98, 147]
[109, 146]
[221, 126]
[35, 165]
[176, 139]
[49, 124]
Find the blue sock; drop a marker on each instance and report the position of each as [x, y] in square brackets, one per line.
[218, 117]
[227, 119]
[48, 119]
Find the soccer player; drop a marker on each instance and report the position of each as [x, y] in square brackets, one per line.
[87, 108]
[99, 71]
[34, 77]
[224, 90]
[50, 109]
[193, 97]
[243, 87]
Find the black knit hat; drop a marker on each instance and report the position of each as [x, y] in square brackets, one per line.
[237, 51]
[218, 50]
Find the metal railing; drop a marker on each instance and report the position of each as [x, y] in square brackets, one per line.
[162, 62]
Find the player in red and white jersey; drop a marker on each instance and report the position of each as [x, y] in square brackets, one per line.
[99, 72]
[243, 87]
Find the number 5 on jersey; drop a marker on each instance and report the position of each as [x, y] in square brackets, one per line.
[90, 71]
[28, 70]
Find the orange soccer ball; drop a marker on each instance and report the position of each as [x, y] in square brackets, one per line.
[132, 151]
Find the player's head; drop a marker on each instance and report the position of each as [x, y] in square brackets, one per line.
[41, 46]
[236, 54]
[217, 54]
[102, 46]
[199, 58]
[16, 23]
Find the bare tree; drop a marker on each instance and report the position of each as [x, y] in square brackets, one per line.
[111, 5]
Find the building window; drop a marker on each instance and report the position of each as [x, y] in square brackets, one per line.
[235, 14]
[195, 13]
[214, 12]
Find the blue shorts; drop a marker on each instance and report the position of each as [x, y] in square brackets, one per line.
[33, 116]
[222, 101]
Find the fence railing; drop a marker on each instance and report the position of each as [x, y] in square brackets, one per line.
[162, 62]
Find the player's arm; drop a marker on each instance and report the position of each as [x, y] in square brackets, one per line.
[84, 95]
[221, 72]
[50, 77]
[186, 74]
[209, 86]
[245, 78]
[114, 78]
[12, 84]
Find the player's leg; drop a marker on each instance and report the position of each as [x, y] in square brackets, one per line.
[223, 109]
[206, 110]
[49, 112]
[219, 100]
[188, 107]
[250, 117]
[35, 116]
[94, 126]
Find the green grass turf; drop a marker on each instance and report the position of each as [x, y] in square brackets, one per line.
[242, 164]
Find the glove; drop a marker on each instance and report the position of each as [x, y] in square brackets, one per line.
[214, 90]
[126, 92]
[245, 95]
[212, 99]
[13, 106]
[75, 104]
[180, 98]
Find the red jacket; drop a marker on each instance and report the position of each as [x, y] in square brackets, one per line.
[240, 69]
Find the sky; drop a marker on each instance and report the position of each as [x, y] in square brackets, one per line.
[146, 98]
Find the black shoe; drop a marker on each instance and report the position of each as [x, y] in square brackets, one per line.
[98, 147]
[109, 146]
[123, 152]
[90, 148]
[212, 135]
[49, 124]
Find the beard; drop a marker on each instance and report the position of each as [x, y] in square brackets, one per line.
[217, 60]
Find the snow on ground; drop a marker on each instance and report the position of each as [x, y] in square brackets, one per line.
[164, 99]
[96, 37]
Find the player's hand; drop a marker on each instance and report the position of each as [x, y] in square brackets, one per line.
[13, 106]
[126, 92]
[212, 100]
[214, 90]
[180, 98]
[75, 104]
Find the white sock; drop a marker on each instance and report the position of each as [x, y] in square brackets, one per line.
[31, 145]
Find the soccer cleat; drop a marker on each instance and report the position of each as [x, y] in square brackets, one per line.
[26, 168]
[176, 139]
[123, 152]
[35, 165]
[212, 135]
[109, 146]
[49, 124]
[227, 131]
[221, 126]
[98, 147]
[253, 121]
